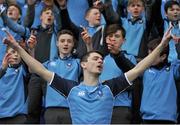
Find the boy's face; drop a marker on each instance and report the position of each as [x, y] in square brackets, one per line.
[135, 9]
[173, 13]
[47, 17]
[13, 13]
[115, 39]
[14, 58]
[65, 44]
[94, 64]
[94, 17]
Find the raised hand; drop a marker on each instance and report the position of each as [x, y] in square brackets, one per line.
[98, 4]
[32, 42]
[10, 41]
[6, 60]
[112, 46]
[167, 36]
[85, 36]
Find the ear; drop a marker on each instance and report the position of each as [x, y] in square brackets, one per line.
[165, 14]
[124, 40]
[86, 17]
[128, 9]
[83, 65]
[41, 17]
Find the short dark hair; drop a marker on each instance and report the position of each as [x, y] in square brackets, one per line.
[154, 43]
[17, 6]
[46, 8]
[85, 56]
[132, 1]
[169, 4]
[89, 10]
[66, 31]
[114, 28]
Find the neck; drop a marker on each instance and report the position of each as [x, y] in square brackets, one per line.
[45, 26]
[91, 25]
[15, 20]
[91, 79]
[64, 55]
[161, 65]
[135, 18]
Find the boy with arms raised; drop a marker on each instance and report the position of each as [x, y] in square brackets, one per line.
[115, 35]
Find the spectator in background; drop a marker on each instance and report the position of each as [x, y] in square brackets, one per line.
[67, 66]
[159, 97]
[33, 10]
[45, 49]
[171, 16]
[172, 11]
[13, 94]
[12, 16]
[135, 25]
[93, 16]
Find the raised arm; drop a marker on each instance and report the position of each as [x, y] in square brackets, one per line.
[147, 61]
[107, 10]
[110, 15]
[66, 21]
[17, 28]
[86, 39]
[122, 62]
[30, 13]
[34, 65]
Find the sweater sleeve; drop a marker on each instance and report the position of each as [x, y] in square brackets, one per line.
[68, 24]
[62, 86]
[118, 84]
[17, 28]
[122, 62]
[110, 15]
[30, 14]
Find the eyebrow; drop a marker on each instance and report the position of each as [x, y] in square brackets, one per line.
[95, 57]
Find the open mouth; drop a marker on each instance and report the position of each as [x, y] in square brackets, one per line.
[100, 67]
[136, 12]
[10, 13]
[49, 20]
[98, 20]
[175, 16]
[65, 48]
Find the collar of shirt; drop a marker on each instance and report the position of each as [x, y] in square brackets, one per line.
[133, 21]
[15, 66]
[93, 92]
[65, 57]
